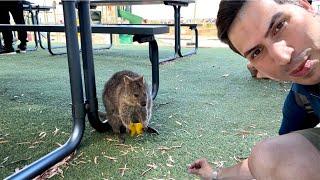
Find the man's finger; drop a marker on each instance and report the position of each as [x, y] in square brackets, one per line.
[193, 171]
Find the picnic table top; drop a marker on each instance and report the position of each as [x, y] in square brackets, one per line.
[37, 7]
[138, 2]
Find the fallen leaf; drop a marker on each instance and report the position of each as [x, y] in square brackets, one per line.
[151, 166]
[95, 160]
[111, 140]
[110, 158]
[169, 165]
[42, 135]
[4, 160]
[164, 148]
[179, 123]
[243, 133]
[123, 169]
[56, 169]
[23, 143]
[55, 131]
[170, 159]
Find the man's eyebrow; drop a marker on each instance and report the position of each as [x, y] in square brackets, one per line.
[273, 20]
[249, 51]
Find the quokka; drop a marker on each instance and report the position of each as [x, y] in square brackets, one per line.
[127, 99]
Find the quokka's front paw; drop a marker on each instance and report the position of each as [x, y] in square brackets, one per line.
[122, 138]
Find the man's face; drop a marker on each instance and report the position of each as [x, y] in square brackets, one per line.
[282, 41]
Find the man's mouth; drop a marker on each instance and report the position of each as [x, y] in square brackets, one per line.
[303, 69]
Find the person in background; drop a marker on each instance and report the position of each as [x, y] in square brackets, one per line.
[281, 39]
[16, 10]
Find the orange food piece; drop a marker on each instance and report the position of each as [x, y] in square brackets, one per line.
[136, 129]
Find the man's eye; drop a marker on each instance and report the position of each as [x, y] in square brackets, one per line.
[278, 27]
[256, 53]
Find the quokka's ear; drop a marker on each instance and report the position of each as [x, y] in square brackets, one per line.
[127, 79]
[140, 79]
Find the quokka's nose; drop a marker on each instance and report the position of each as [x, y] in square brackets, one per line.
[143, 103]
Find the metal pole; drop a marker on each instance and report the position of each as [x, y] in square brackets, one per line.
[78, 111]
[154, 58]
[177, 29]
[88, 68]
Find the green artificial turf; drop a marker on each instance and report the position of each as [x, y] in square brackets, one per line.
[207, 106]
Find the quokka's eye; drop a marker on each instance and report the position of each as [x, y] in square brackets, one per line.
[136, 95]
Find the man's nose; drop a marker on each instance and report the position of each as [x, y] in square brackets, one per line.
[281, 52]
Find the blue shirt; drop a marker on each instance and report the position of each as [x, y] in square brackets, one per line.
[295, 117]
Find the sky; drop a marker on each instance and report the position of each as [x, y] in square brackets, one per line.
[204, 9]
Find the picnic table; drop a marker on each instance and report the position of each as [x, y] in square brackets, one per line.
[34, 10]
[81, 107]
[176, 4]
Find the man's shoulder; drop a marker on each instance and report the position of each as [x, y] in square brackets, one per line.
[304, 96]
[306, 89]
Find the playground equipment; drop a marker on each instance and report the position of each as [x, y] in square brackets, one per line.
[133, 19]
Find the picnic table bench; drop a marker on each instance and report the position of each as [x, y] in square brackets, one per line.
[177, 53]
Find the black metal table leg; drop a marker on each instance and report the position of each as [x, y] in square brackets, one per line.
[50, 47]
[78, 110]
[177, 36]
[88, 68]
[0, 42]
[154, 59]
[177, 24]
[110, 45]
[177, 31]
[34, 33]
[39, 33]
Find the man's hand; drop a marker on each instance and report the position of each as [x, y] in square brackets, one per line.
[202, 168]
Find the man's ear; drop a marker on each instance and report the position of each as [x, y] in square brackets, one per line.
[306, 5]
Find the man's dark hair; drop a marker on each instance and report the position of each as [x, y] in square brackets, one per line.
[228, 11]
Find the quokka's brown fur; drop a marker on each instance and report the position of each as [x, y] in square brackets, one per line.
[126, 97]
